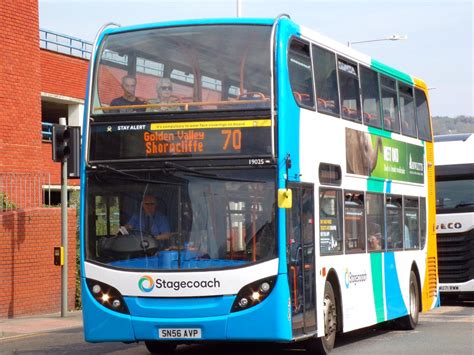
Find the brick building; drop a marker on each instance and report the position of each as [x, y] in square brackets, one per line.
[37, 86]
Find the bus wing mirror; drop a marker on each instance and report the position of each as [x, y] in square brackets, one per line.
[285, 198]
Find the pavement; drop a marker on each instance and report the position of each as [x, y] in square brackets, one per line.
[25, 326]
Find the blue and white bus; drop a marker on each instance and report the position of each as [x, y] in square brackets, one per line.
[290, 180]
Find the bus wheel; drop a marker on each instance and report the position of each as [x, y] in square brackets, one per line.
[324, 344]
[158, 347]
[410, 321]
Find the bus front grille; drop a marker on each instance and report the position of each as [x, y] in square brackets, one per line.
[456, 257]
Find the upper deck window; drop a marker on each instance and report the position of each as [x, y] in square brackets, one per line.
[391, 121]
[422, 116]
[186, 68]
[407, 110]
[369, 83]
[349, 88]
[301, 74]
[326, 80]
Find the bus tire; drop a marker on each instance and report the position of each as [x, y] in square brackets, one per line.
[324, 344]
[410, 321]
[159, 347]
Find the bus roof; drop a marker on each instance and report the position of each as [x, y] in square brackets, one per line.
[325, 41]
[210, 21]
[354, 54]
[453, 137]
[453, 149]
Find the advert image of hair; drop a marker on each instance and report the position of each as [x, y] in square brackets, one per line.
[361, 155]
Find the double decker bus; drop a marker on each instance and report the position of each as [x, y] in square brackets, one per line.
[455, 214]
[290, 177]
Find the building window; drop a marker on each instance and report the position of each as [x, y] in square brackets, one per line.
[50, 113]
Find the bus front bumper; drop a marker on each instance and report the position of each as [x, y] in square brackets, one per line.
[267, 321]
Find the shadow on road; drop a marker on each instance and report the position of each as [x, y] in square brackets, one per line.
[460, 301]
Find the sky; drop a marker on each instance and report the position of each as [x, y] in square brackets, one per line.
[438, 48]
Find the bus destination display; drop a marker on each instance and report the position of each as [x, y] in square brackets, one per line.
[204, 138]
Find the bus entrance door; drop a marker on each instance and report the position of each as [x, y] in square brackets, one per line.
[300, 256]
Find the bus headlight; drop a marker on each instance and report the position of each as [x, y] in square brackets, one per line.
[252, 294]
[107, 296]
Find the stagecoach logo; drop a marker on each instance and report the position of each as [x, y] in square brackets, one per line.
[146, 283]
[354, 279]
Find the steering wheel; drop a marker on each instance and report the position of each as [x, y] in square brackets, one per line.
[136, 242]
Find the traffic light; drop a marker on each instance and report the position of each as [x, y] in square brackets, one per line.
[61, 149]
[74, 158]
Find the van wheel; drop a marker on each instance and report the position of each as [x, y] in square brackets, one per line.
[324, 344]
[159, 347]
[410, 321]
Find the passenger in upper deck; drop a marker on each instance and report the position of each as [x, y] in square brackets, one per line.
[164, 92]
[129, 84]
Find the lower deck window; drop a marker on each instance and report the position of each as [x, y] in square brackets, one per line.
[354, 221]
[330, 217]
[411, 223]
[393, 205]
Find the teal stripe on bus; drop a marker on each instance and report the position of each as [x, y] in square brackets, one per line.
[380, 132]
[377, 285]
[375, 184]
[391, 72]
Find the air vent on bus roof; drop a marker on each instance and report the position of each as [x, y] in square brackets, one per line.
[453, 137]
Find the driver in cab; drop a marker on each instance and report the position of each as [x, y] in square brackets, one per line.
[149, 220]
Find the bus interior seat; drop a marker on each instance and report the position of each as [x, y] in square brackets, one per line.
[350, 112]
[372, 120]
[303, 98]
[322, 104]
[253, 96]
[326, 105]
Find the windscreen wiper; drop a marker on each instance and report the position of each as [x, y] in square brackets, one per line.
[131, 177]
[116, 171]
[183, 168]
[464, 204]
[193, 171]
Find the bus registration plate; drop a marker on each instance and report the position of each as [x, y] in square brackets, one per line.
[179, 333]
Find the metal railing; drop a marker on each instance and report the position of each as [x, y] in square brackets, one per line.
[24, 190]
[65, 44]
[46, 131]
[77, 47]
